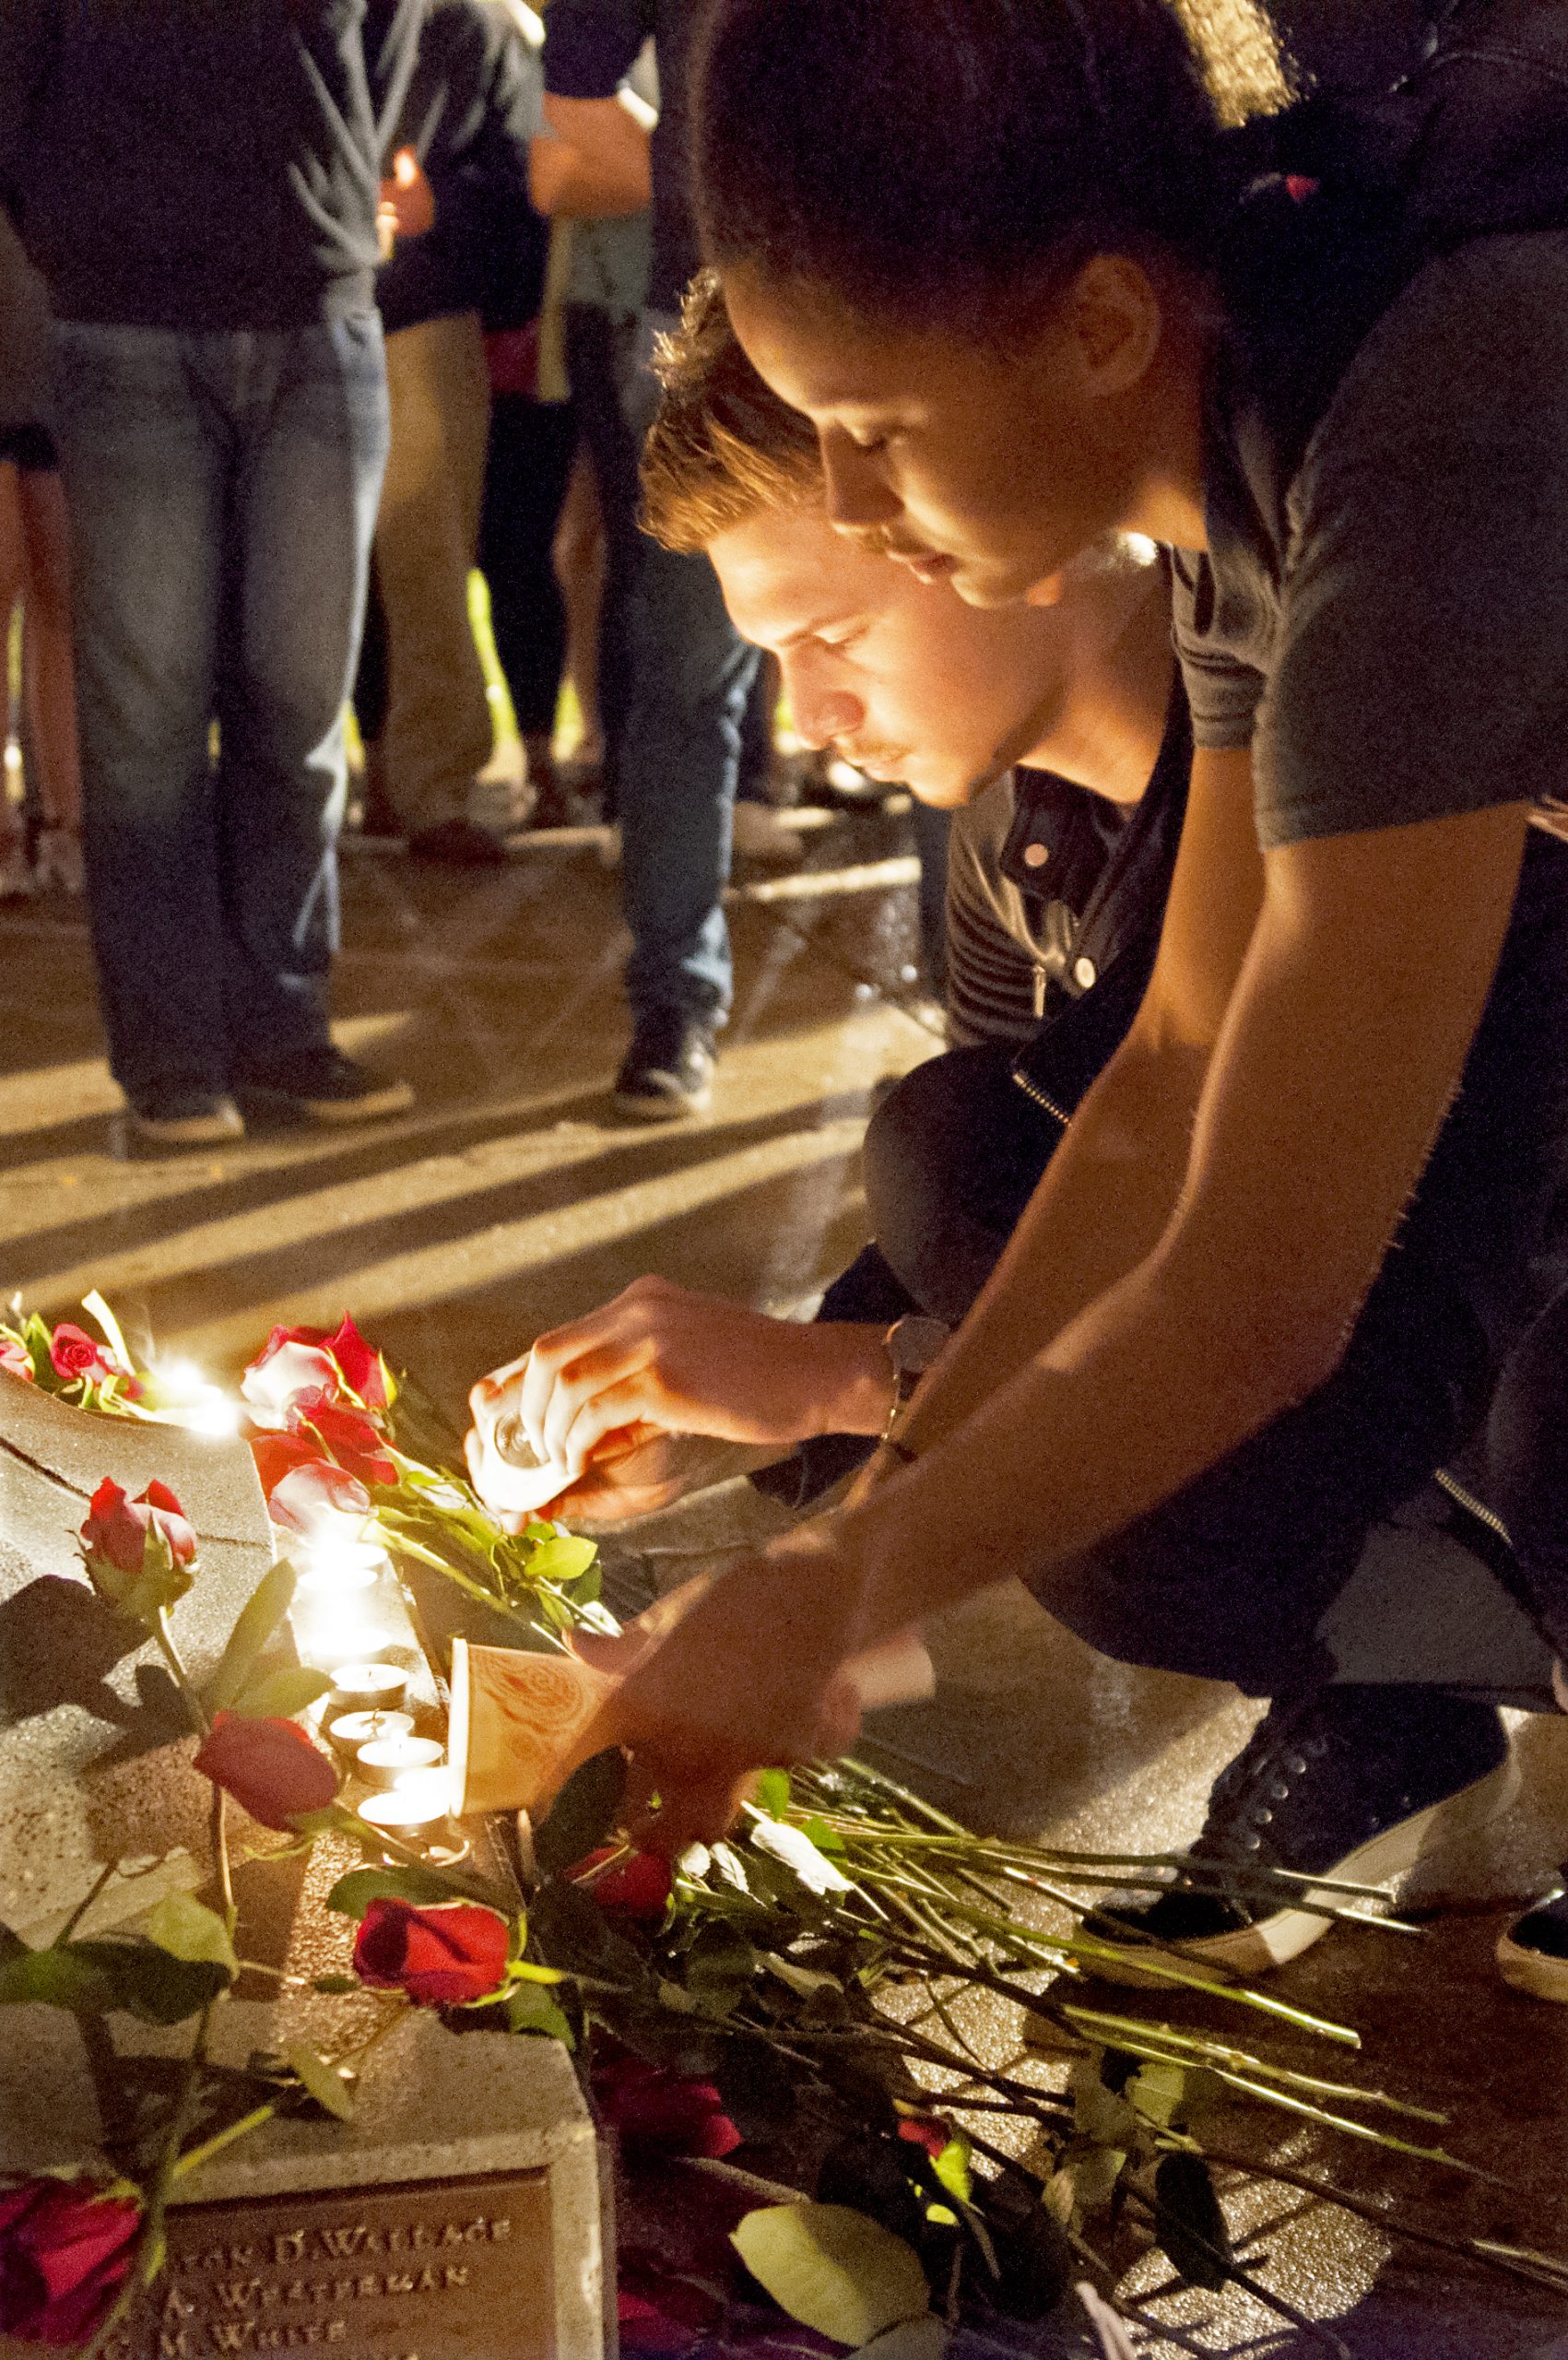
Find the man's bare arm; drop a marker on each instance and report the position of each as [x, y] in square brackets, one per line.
[594, 161]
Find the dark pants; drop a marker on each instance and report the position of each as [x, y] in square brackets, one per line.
[222, 493]
[1232, 1577]
[527, 468]
[601, 361]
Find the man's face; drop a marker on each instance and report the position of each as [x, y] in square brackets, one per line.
[893, 671]
[988, 470]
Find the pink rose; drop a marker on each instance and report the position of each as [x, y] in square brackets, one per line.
[442, 1957]
[354, 1441]
[287, 1373]
[313, 1493]
[80, 1357]
[270, 1766]
[364, 1371]
[64, 2247]
[139, 1553]
[15, 1359]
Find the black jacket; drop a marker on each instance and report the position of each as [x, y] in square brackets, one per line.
[199, 164]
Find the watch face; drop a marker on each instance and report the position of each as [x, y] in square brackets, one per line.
[914, 1342]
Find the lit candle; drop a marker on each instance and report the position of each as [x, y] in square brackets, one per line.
[419, 1814]
[388, 1761]
[351, 1730]
[369, 1687]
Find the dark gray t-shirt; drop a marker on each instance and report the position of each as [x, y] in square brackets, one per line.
[1409, 658]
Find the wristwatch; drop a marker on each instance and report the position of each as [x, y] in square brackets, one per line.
[913, 1344]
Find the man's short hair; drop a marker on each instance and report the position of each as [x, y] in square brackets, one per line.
[723, 445]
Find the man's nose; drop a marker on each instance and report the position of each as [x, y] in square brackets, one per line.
[857, 492]
[821, 713]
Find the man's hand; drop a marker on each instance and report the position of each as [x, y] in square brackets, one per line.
[594, 160]
[726, 1677]
[632, 1474]
[407, 206]
[661, 1359]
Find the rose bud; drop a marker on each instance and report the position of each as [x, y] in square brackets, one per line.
[354, 1441]
[364, 1371]
[15, 1359]
[441, 1957]
[314, 1493]
[658, 2111]
[64, 2247]
[279, 1455]
[289, 1373]
[270, 1766]
[139, 1553]
[79, 1356]
[637, 1887]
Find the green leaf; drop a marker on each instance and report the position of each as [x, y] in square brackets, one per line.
[56, 1978]
[772, 1792]
[832, 2269]
[283, 1693]
[258, 1618]
[951, 2167]
[585, 1812]
[562, 1559]
[1189, 2224]
[1084, 2183]
[1158, 2091]
[421, 1888]
[147, 1981]
[718, 1966]
[529, 2010]
[826, 1838]
[187, 1929]
[1098, 2113]
[324, 2082]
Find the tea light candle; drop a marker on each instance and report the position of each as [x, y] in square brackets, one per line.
[369, 1687]
[351, 1730]
[387, 1761]
[419, 1814]
[333, 1565]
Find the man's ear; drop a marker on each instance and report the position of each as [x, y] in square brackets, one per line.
[1116, 319]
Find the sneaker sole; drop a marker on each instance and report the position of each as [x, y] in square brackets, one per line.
[1436, 1860]
[1535, 1972]
[282, 1106]
[644, 1109]
[178, 1139]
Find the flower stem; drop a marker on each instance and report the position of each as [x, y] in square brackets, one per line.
[200, 1717]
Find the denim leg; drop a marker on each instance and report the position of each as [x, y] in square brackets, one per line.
[601, 362]
[313, 406]
[145, 452]
[691, 673]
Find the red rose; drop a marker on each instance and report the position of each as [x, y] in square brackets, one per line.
[15, 1359]
[76, 1355]
[441, 1957]
[279, 1455]
[271, 1767]
[364, 1371]
[638, 1888]
[139, 1553]
[65, 2247]
[314, 1493]
[291, 1370]
[656, 2109]
[354, 1441]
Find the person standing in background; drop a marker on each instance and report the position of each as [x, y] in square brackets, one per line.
[199, 188]
[35, 569]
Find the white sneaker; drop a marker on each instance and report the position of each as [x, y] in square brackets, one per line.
[763, 833]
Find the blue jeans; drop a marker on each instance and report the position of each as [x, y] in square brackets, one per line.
[676, 769]
[222, 491]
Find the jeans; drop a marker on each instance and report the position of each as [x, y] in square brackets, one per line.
[1236, 1576]
[222, 491]
[676, 769]
[601, 362]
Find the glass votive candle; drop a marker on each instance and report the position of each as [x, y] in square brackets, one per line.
[349, 1732]
[388, 1761]
[369, 1688]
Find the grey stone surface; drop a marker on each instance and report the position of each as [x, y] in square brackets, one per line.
[94, 1756]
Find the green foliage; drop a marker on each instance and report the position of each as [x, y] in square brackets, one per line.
[324, 2082]
[421, 1888]
[833, 2268]
[188, 1929]
[253, 1632]
[585, 1815]
[772, 1792]
[92, 1977]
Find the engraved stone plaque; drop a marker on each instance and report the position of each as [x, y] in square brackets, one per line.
[456, 2271]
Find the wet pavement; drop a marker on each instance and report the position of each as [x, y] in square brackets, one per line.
[512, 1197]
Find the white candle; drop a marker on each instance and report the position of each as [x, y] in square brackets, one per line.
[369, 1687]
[417, 1815]
[351, 1730]
[387, 1761]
